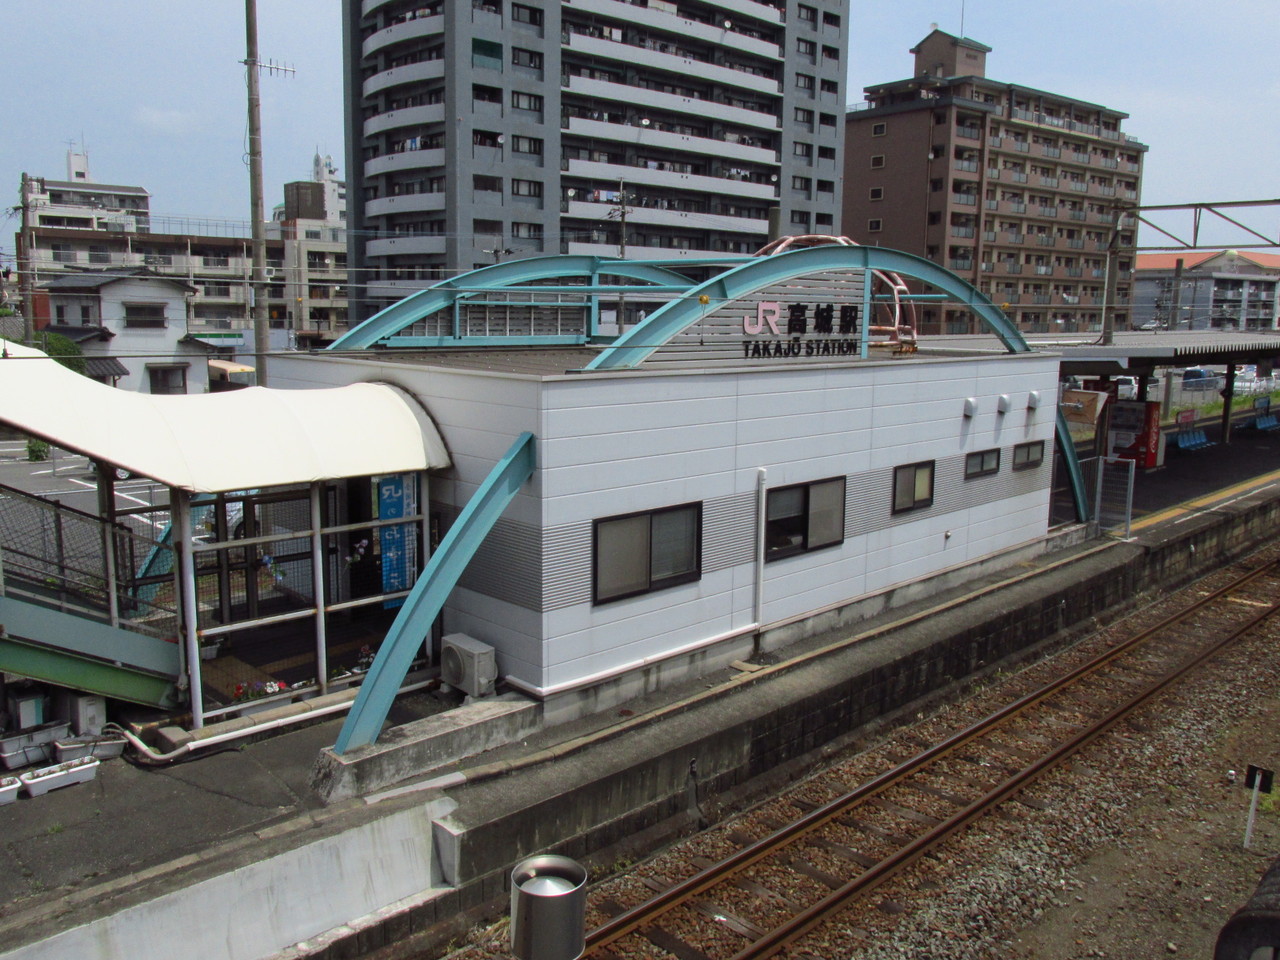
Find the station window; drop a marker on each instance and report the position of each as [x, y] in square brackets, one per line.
[804, 517]
[912, 486]
[1028, 455]
[981, 464]
[641, 552]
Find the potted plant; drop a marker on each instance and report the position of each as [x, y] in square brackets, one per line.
[45, 779]
[9, 789]
[210, 648]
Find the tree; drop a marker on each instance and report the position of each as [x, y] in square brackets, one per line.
[63, 349]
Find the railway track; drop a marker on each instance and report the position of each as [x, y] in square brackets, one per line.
[773, 890]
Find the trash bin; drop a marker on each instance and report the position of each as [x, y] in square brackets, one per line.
[548, 909]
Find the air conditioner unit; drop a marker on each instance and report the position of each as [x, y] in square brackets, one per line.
[468, 664]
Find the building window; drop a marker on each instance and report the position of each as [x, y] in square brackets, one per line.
[875, 193]
[826, 153]
[981, 464]
[877, 161]
[800, 218]
[806, 13]
[641, 552]
[525, 188]
[879, 129]
[875, 226]
[167, 378]
[1028, 455]
[804, 81]
[527, 231]
[526, 58]
[526, 101]
[525, 14]
[804, 116]
[801, 183]
[826, 186]
[485, 183]
[486, 53]
[484, 94]
[830, 53]
[485, 138]
[143, 315]
[531, 145]
[807, 516]
[826, 119]
[912, 486]
[830, 86]
[803, 149]
[831, 19]
[62, 253]
[805, 47]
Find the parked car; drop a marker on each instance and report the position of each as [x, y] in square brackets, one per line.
[1201, 378]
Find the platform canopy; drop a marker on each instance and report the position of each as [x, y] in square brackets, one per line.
[209, 443]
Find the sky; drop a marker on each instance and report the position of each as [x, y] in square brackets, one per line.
[155, 91]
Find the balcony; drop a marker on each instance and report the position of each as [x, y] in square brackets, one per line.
[969, 133]
[1077, 215]
[963, 232]
[1043, 270]
[1017, 177]
[675, 62]
[611, 92]
[1014, 238]
[960, 265]
[1045, 240]
[966, 166]
[1075, 243]
[1013, 269]
[1048, 181]
[965, 199]
[1051, 152]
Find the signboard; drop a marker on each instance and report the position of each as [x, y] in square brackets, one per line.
[1259, 777]
[1083, 406]
[397, 545]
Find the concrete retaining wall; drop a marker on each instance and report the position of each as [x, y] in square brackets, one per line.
[654, 780]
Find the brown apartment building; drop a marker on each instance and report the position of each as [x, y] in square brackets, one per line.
[1018, 191]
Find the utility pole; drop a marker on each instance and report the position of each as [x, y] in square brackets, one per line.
[257, 282]
[622, 241]
[26, 264]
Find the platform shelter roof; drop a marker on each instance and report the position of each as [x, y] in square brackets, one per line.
[209, 443]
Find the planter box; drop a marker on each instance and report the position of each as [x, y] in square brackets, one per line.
[102, 746]
[9, 789]
[31, 746]
[41, 781]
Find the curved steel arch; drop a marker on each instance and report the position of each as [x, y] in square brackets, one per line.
[638, 343]
[414, 307]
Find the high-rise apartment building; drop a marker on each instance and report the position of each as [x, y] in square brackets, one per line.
[1021, 192]
[495, 129]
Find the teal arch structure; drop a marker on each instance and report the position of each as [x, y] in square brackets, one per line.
[513, 273]
[425, 600]
[638, 343]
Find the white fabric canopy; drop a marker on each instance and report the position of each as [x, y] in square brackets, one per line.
[209, 443]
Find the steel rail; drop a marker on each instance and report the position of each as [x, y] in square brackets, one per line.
[641, 915]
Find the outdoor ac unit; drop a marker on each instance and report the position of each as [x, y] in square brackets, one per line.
[468, 664]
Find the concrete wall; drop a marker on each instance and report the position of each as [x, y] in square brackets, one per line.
[266, 906]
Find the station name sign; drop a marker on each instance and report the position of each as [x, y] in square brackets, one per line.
[823, 335]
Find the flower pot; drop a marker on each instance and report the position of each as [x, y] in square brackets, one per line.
[32, 746]
[102, 746]
[209, 651]
[9, 787]
[44, 779]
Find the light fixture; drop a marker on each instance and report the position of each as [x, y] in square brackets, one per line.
[644, 121]
[501, 139]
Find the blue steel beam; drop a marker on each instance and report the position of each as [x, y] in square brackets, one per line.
[675, 316]
[425, 600]
[638, 343]
[496, 276]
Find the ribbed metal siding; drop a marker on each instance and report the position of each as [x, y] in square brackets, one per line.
[514, 560]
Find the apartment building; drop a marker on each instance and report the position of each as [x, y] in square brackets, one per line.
[1207, 290]
[78, 225]
[311, 228]
[495, 129]
[1022, 192]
